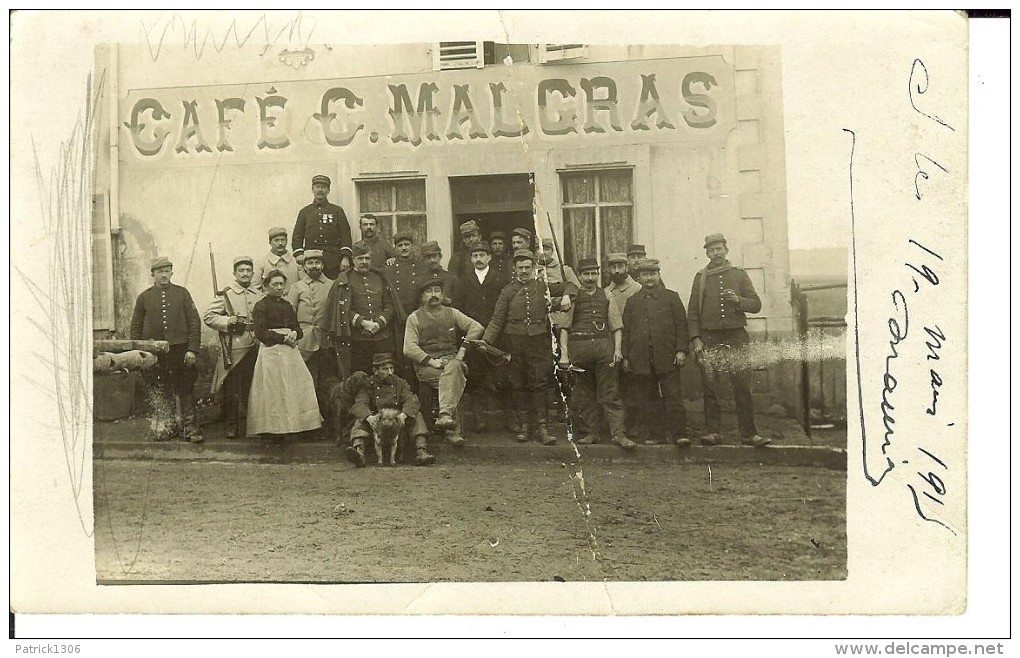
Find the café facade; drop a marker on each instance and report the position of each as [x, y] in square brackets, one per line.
[601, 145]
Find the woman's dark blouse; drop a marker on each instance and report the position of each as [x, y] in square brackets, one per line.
[273, 313]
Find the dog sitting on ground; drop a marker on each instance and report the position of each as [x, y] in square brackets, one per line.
[386, 434]
[341, 394]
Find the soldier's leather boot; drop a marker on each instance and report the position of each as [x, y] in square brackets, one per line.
[422, 456]
[355, 452]
[540, 410]
[192, 431]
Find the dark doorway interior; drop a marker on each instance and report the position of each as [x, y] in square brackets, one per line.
[500, 202]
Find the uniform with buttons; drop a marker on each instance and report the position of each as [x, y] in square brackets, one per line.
[322, 225]
[370, 300]
[404, 274]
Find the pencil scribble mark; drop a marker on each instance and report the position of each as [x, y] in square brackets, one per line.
[64, 308]
[173, 26]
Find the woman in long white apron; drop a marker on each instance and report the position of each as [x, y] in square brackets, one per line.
[282, 398]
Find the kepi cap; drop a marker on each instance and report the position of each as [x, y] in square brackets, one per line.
[382, 358]
[158, 262]
[406, 236]
[616, 257]
[277, 230]
[636, 249]
[647, 264]
[713, 238]
[319, 178]
[523, 232]
[479, 245]
[524, 254]
[587, 264]
[360, 250]
[243, 259]
[427, 283]
[469, 226]
[313, 253]
[431, 247]
[497, 234]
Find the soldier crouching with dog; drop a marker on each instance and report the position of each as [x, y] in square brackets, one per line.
[383, 402]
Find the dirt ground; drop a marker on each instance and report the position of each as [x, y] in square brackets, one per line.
[158, 521]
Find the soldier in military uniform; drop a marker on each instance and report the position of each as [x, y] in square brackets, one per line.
[478, 293]
[432, 254]
[592, 338]
[167, 312]
[322, 225]
[406, 271]
[720, 297]
[230, 314]
[384, 389]
[279, 258]
[383, 253]
[309, 297]
[460, 260]
[521, 313]
[654, 350]
[635, 254]
[371, 312]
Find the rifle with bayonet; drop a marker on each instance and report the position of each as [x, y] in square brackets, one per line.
[226, 338]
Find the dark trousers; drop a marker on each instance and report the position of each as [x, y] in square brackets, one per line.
[661, 404]
[168, 378]
[740, 380]
[597, 385]
[237, 385]
[530, 362]
[322, 365]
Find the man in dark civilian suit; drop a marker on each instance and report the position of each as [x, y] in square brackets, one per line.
[654, 350]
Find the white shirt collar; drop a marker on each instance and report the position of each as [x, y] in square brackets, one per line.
[481, 274]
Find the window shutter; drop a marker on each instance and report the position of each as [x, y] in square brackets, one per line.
[554, 52]
[452, 55]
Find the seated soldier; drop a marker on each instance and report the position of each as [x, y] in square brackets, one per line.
[433, 341]
[385, 390]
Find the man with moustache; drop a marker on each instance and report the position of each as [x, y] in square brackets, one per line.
[167, 312]
[383, 253]
[322, 225]
[521, 313]
[371, 310]
[433, 341]
[520, 238]
[406, 271]
[432, 255]
[721, 296]
[309, 298]
[591, 339]
[621, 287]
[478, 293]
[460, 260]
[278, 258]
[654, 350]
[230, 314]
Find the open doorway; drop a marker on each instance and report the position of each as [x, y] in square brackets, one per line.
[500, 202]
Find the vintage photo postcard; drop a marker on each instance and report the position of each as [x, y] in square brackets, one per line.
[380, 313]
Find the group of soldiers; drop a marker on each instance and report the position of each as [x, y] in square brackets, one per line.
[385, 326]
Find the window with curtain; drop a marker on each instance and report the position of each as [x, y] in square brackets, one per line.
[398, 205]
[598, 213]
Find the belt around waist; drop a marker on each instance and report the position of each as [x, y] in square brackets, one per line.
[575, 337]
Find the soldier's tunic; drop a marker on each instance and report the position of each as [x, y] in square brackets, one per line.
[380, 392]
[404, 275]
[654, 330]
[322, 225]
[309, 299]
[241, 302]
[521, 316]
[371, 300]
[590, 324]
[285, 262]
[720, 325]
[169, 314]
[381, 251]
[504, 265]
